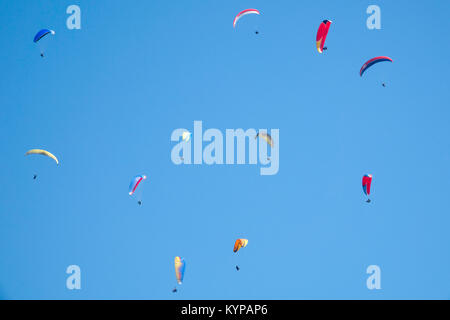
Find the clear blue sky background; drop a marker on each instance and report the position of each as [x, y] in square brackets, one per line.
[106, 99]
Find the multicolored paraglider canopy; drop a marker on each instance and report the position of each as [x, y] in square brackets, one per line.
[366, 182]
[42, 152]
[266, 137]
[240, 243]
[322, 33]
[371, 62]
[180, 265]
[135, 182]
[243, 13]
[42, 33]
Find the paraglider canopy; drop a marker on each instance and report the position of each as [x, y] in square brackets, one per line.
[371, 62]
[42, 33]
[322, 33]
[243, 13]
[135, 182]
[180, 265]
[266, 137]
[186, 136]
[42, 152]
[240, 243]
[366, 183]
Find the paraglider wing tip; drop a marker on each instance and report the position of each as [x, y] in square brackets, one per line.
[130, 193]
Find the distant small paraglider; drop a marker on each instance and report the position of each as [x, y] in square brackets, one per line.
[321, 36]
[134, 184]
[238, 244]
[41, 34]
[366, 183]
[180, 266]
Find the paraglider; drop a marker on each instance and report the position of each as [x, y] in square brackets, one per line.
[238, 244]
[243, 13]
[41, 34]
[180, 265]
[42, 152]
[371, 62]
[134, 184]
[321, 36]
[366, 183]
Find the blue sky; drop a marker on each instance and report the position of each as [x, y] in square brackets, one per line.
[106, 99]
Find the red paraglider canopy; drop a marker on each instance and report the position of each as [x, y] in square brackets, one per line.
[322, 34]
[366, 182]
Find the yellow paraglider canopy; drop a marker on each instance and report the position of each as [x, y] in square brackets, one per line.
[186, 136]
[42, 152]
[266, 137]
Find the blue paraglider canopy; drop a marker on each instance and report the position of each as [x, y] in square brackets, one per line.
[42, 33]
